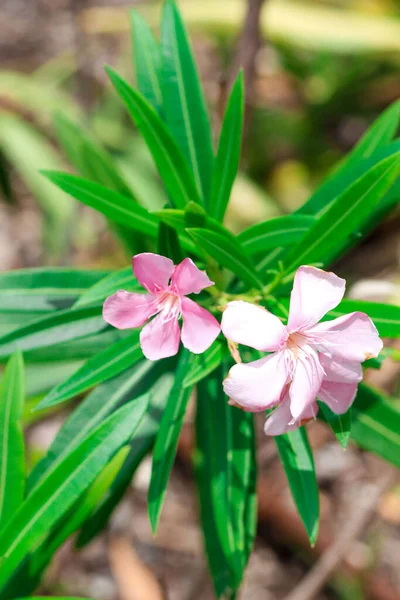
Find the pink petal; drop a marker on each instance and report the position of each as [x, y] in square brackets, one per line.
[352, 337]
[281, 420]
[252, 326]
[307, 379]
[338, 396]
[160, 338]
[152, 271]
[124, 310]
[188, 279]
[257, 385]
[315, 292]
[340, 372]
[200, 329]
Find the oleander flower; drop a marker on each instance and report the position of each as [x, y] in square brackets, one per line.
[167, 286]
[307, 359]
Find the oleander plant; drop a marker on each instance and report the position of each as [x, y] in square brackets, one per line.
[236, 324]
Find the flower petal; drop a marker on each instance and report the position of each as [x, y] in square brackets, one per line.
[252, 326]
[160, 338]
[315, 292]
[281, 420]
[199, 329]
[188, 279]
[340, 371]
[352, 337]
[258, 385]
[307, 379]
[124, 310]
[152, 271]
[338, 396]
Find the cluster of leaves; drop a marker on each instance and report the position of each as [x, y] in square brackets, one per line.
[54, 317]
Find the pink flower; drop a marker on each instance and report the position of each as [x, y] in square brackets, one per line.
[308, 359]
[167, 288]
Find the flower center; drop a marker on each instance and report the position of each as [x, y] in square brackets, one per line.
[296, 343]
[169, 304]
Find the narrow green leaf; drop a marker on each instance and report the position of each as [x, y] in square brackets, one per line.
[168, 243]
[366, 154]
[340, 424]
[167, 439]
[183, 101]
[59, 326]
[227, 253]
[204, 364]
[12, 454]
[91, 412]
[296, 457]
[171, 164]
[380, 133]
[78, 513]
[228, 155]
[89, 158]
[147, 61]
[278, 232]
[94, 163]
[376, 424]
[44, 289]
[225, 474]
[344, 215]
[385, 316]
[62, 487]
[113, 205]
[141, 443]
[118, 280]
[106, 364]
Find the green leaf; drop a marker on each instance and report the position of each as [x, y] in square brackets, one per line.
[78, 514]
[94, 163]
[344, 215]
[106, 364]
[385, 316]
[340, 424]
[379, 134]
[90, 159]
[204, 364]
[225, 473]
[167, 439]
[335, 185]
[91, 412]
[113, 205]
[278, 232]
[59, 326]
[168, 243]
[171, 164]
[296, 457]
[62, 487]
[229, 254]
[183, 100]
[141, 443]
[147, 61]
[376, 424]
[228, 155]
[12, 455]
[118, 280]
[193, 216]
[45, 289]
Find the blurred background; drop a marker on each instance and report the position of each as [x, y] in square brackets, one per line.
[317, 74]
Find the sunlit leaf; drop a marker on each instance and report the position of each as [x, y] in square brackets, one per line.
[183, 102]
